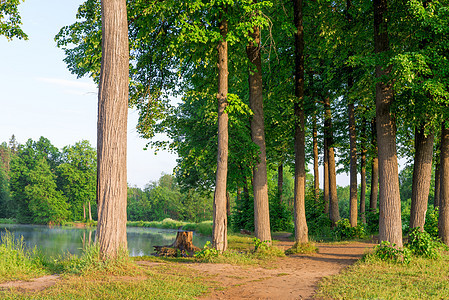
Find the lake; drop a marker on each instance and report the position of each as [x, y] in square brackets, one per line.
[55, 241]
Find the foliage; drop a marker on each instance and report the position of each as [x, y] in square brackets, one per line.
[16, 261]
[372, 222]
[344, 230]
[204, 228]
[165, 199]
[421, 243]
[431, 224]
[389, 252]
[10, 20]
[207, 253]
[318, 222]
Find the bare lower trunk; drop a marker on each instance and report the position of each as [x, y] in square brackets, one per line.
[260, 187]
[316, 174]
[219, 228]
[84, 211]
[363, 173]
[390, 225]
[90, 212]
[326, 174]
[301, 230]
[280, 181]
[422, 173]
[112, 122]
[436, 199]
[374, 171]
[443, 219]
[352, 167]
[334, 213]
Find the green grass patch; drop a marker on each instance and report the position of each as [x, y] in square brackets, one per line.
[302, 248]
[17, 262]
[372, 278]
[7, 221]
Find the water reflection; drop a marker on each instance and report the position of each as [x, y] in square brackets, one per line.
[54, 241]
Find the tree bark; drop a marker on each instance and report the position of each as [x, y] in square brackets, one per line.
[90, 212]
[112, 131]
[352, 167]
[436, 199]
[374, 170]
[260, 187]
[443, 219]
[363, 172]
[422, 174]
[219, 228]
[326, 172]
[334, 213]
[301, 230]
[316, 174]
[280, 181]
[390, 226]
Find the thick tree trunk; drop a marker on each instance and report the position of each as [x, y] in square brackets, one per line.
[316, 174]
[374, 170]
[220, 223]
[390, 226]
[436, 199]
[443, 219]
[325, 172]
[301, 230]
[111, 132]
[422, 174]
[260, 187]
[280, 181]
[182, 246]
[334, 213]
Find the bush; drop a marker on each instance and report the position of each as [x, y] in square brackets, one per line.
[388, 252]
[372, 222]
[431, 225]
[421, 243]
[302, 248]
[344, 230]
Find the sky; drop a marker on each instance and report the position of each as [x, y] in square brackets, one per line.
[40, 97]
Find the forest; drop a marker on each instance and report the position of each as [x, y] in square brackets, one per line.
[253, 96]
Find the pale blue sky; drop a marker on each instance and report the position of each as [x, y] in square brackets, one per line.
[40, 97]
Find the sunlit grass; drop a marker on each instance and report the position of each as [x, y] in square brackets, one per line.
[16, 261]
[372, 278]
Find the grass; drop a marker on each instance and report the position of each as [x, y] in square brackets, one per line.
[371, 278]
[7, 221]
[17, 262]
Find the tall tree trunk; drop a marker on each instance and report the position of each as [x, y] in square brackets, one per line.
[352, 166]
[443, 219]
[90, 212]
[316, 174]
[280, 181]
[352, 138]
[334, 213]
[326, 172]
[363, 172]
[84, 211]
[422, 174]
[301, 230]
[436, 199]
[390, 226]
[260, 187]
[111, 129]
[220, 220]
[374, 170]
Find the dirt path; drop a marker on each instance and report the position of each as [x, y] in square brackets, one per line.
[293, 277]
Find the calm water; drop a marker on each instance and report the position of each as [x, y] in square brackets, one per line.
[59, 240]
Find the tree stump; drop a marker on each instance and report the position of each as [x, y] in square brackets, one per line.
[182, 246]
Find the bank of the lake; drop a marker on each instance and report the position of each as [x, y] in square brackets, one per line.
[58, 240]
